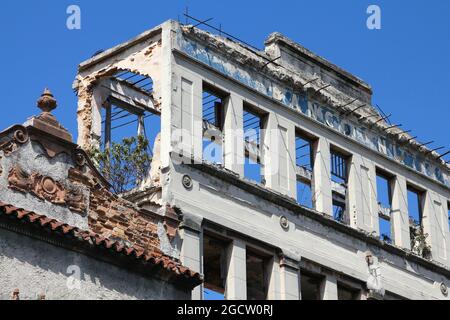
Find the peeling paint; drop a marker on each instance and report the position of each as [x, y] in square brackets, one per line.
[321, 113]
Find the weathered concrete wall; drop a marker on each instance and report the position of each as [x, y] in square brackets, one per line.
[392, 144]
[55, 274]
[362, 185]
[32, 158]
[144, 58]
[293, 99]
[295, 57]
[230, 207]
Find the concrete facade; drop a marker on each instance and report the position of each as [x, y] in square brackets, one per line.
[299, 92]
[60, 274]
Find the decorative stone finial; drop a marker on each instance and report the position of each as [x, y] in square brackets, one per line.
[46, 121]
[47, 101]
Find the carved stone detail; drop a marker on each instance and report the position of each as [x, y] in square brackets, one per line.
[19, 137]
[19, 180]
[46, 188]
[79, 158]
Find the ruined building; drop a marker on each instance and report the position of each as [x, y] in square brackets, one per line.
[64, 235]
[289, 184]
[272, 175]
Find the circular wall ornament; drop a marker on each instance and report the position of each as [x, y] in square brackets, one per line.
[284, 223]
[21, 136]
[49, 185]
[444, 289]
[187, 182]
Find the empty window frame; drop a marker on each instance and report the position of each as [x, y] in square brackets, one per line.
[213, 119]
[256, 276]
[345, 292]
[121, 119]
[253, 128]
[340, 209]
[215, 267]
[304, 166]
[415, 205]
[384, 198]
[304, 151]
[310, 286]
[339, 177]
[130, 112]
[339, 167]
[304, 193]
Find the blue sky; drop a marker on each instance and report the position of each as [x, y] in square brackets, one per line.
[406, 61]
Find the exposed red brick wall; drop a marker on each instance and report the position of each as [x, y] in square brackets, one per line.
[111, 216]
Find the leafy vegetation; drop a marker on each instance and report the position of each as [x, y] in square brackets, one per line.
[125, 164]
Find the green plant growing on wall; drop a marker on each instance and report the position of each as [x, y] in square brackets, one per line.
[125, 164]
[419, 240]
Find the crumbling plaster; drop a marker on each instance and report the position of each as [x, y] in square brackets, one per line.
[226, 205]
[288, 88]
[32, 158]
[143, 59]
[67, 275]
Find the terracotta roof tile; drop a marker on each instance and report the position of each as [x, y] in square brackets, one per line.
[153, 257]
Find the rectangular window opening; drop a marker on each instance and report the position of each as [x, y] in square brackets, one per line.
[304, 193]
[215, 267]
[415, 205]
[304, 165]
[310, 286]
[119, 123]
[339, 167]
[253, 126]
[213, 102]
[384, 198]
[304, 152]
[256, 276]
[340, 209]
[124, 126]
[339, 180]
[347, 293]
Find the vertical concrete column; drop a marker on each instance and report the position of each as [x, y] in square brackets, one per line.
[321, 186]
[371, 197]
[329, 289]
[236, 284]
[186, 117]
[400, 215]
[290, 279]
[273, 279]
[170, 96]
[191, 254]
[280, 155]
[233, 131]
[362, 195]
[270, 160]
[435, 224]
[290, 160]
[447, 229]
